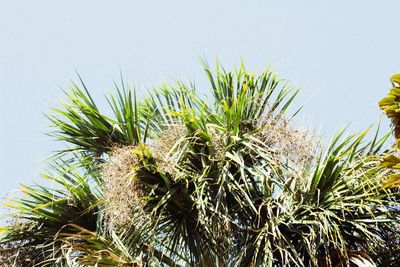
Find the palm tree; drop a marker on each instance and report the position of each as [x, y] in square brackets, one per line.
[176, 180]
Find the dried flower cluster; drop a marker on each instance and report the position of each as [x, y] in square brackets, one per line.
[291, 145]
[119, 187]
[162, 150]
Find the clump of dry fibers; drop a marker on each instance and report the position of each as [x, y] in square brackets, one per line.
[120, 189]
[119, 173]
[163, 148]
[293, 146]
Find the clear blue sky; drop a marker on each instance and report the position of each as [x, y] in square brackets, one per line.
[341, 52]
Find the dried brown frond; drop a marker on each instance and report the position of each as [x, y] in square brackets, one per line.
[121, 191]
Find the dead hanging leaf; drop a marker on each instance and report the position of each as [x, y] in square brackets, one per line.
[390, 161]
[390, 104]
[393, 181]
[395, 78]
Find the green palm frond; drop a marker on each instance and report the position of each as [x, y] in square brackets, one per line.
[242, 98]
[81, 124]
[42, 212]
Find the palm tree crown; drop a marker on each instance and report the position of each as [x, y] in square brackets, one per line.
[175, 180]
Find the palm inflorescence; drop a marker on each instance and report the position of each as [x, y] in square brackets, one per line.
[176, 180]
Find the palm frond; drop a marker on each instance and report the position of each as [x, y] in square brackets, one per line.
[81, 124]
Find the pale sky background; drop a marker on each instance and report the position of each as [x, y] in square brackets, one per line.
[341, 53]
